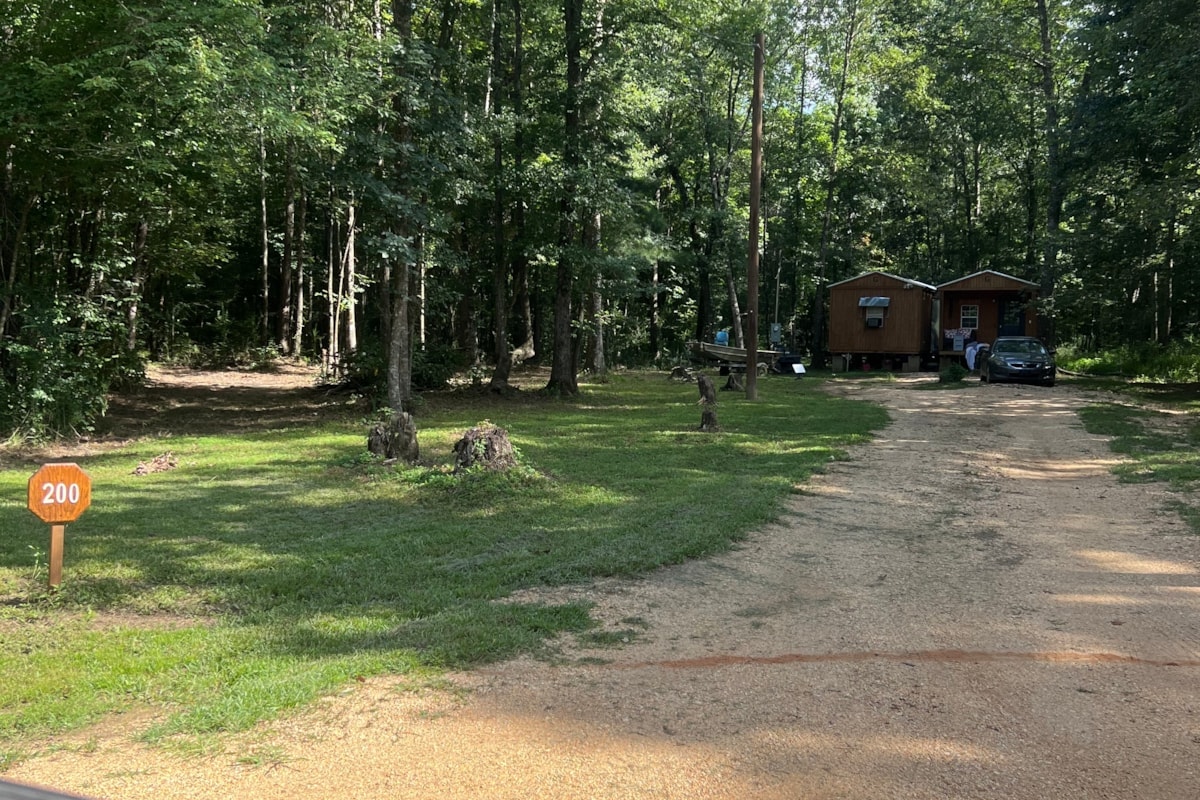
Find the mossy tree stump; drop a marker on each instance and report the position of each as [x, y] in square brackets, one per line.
[485, 445]
[396, 439]
[708, 405]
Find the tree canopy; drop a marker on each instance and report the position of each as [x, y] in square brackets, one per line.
[411, 188]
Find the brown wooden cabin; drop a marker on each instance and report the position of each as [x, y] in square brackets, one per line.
[981, 307]
[877, 317]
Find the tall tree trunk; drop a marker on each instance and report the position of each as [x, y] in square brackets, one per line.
[1054, 179]
[563, 379]
[655, 309]
[597, 362]
[283, 332]
[735, 306]
[718, 182]
[265, 240]
[338, 296]
[349, 301]
[301, 257]
[333, 271]
[1166, 305]
[590, 113]
[500, 265]
[399, 371]
[383, 296]
[702, 248]
[137, 285]
[420, 287]
[527, 349]
[752, 278]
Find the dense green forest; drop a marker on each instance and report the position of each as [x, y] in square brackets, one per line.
[411, 188]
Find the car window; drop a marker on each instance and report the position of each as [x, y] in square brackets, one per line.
[1031, 348]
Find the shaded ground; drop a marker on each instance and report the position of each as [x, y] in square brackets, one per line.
[970, 607]
[183, 401]
[178, 399]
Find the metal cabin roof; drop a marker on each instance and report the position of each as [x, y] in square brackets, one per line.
[1004, 275]
[918, 284]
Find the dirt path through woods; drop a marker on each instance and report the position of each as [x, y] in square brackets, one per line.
[971, 607]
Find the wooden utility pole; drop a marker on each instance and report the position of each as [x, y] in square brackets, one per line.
[755, 201]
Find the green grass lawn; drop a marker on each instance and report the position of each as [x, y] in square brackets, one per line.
[271, 567]
[1159, 446]
[1157, 429]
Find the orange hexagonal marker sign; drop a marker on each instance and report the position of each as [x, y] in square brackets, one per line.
[59, 493]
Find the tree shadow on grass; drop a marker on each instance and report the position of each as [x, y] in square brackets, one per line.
[181, 410]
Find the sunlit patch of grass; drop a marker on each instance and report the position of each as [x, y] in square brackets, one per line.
[1183, 397]
[1132, 428]
[1160, 447]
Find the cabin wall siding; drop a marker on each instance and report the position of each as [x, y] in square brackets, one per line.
[906, 320]
[988, 290]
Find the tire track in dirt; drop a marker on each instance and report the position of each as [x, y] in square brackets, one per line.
[938, 656]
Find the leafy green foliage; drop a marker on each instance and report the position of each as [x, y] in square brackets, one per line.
[55, 378]
[432, 369]
[265, 149]
[953, 373]
[1178, 362]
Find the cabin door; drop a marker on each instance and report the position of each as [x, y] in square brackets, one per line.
[1012, 318]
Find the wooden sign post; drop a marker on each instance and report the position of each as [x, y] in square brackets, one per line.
[58, 494]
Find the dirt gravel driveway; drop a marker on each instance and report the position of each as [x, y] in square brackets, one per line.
[970, 607]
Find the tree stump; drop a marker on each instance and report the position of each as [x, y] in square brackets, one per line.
[708, 405]
[734, 383]
[395, 439]
[485, 445]
[682, 374]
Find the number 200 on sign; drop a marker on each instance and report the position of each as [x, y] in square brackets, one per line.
[59, 493]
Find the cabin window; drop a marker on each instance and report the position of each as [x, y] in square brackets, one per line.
[969, 316]
[874, 310]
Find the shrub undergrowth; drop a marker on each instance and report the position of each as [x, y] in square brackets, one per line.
[55, 376]
[1177, 362]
